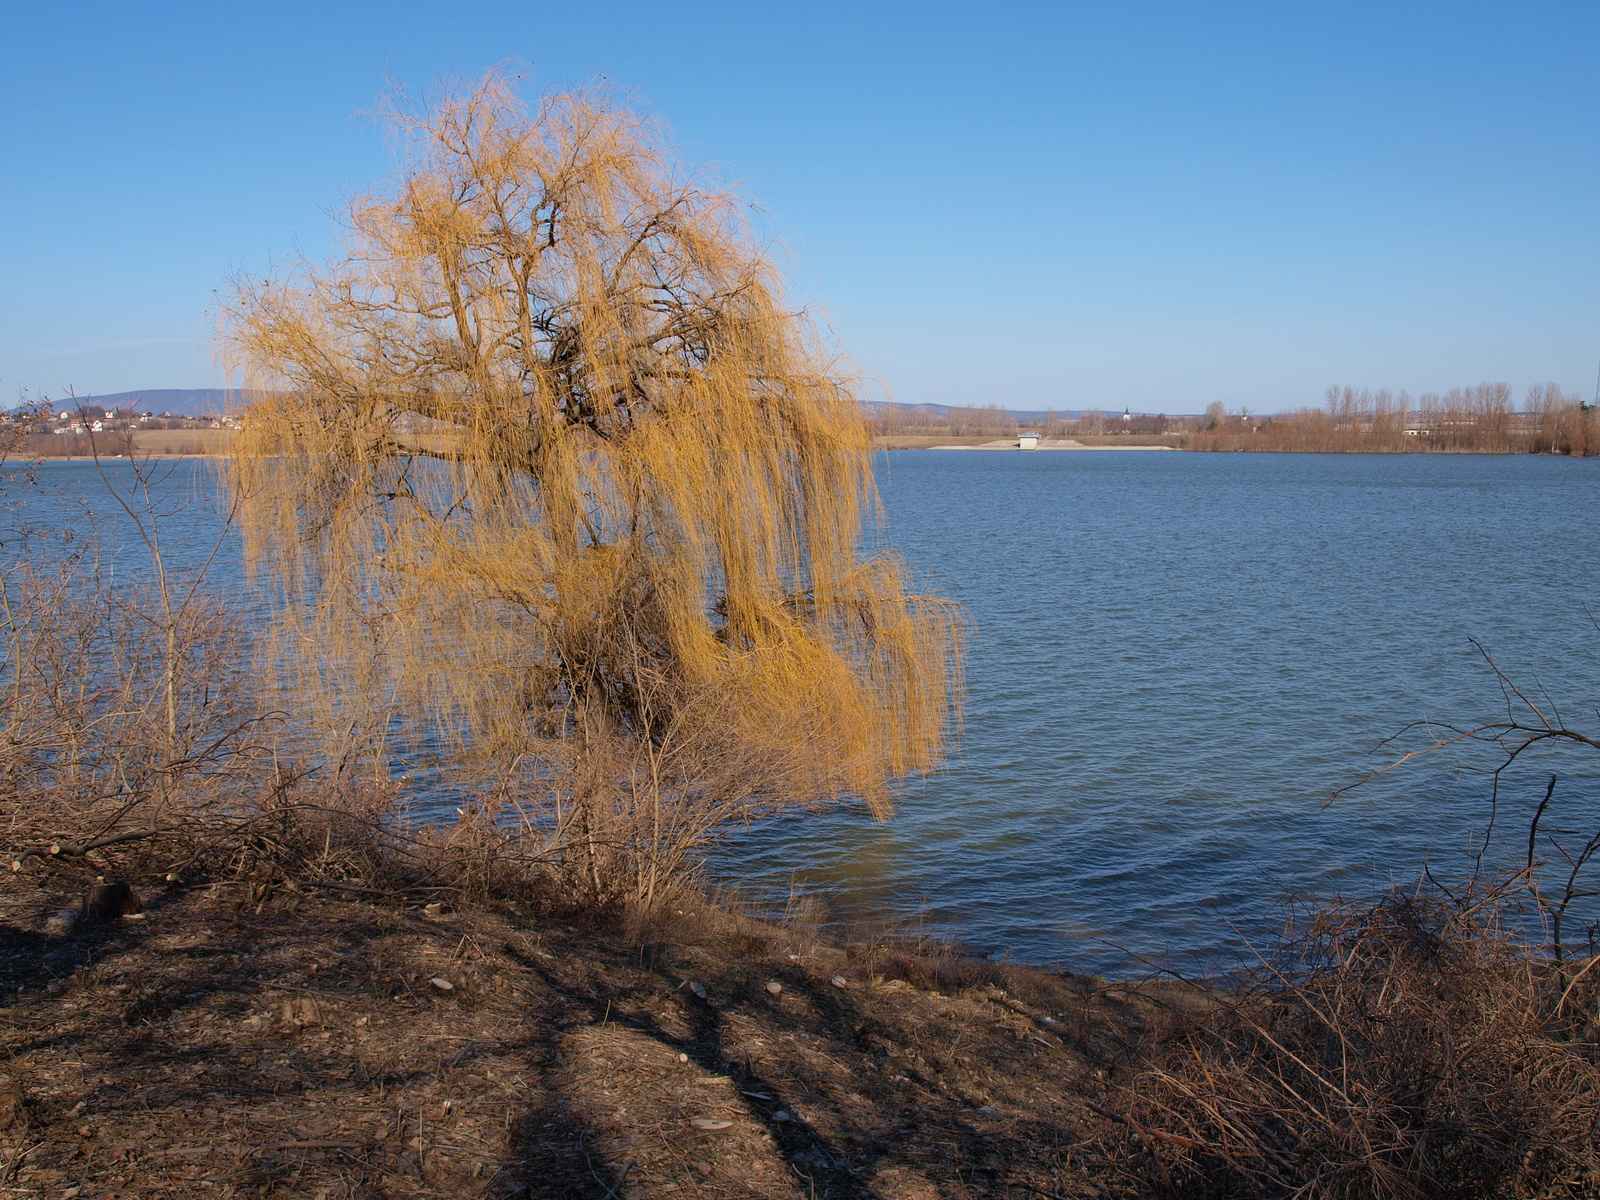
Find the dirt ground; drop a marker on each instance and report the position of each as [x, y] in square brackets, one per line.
[228, 1044]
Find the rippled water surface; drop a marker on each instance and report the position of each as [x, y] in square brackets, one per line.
[1177, 657]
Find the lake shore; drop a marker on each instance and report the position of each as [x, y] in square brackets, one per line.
[234, 1040]
[985, 442]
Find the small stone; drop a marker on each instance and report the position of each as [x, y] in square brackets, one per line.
[683, 1058]
[11, 1102]
[301, 1012]
[839, 981]
[436, 907]
[699, 989]
[781, 1115]
[711, 1123]
[987, 1111]
[775, 987]
[62, 924]
[444, 985]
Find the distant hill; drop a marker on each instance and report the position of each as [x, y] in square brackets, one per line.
[216, 401]
[194, 402]
[1021, 415]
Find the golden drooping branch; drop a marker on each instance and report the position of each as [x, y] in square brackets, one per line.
[546, 458]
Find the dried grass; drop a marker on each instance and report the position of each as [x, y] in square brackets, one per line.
[1405, 1048]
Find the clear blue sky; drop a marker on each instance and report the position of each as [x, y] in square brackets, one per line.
[1107, 204]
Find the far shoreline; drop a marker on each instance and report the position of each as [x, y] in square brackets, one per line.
[986, 442]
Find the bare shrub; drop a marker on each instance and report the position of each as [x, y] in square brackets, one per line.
[136, 744]
[116, 731]
[134, 739]
[1407, 1047]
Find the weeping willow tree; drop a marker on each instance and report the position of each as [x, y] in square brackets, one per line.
[545, 460]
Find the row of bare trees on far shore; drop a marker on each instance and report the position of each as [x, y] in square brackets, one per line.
[1481, 419]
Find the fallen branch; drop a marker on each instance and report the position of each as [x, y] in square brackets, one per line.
[1186, 1143]
[79, 849]
[311, 1146]
[372, 891]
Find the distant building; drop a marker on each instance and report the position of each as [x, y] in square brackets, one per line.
[1027, 441]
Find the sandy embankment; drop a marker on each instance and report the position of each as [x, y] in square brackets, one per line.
[946, 442]
[154, 443]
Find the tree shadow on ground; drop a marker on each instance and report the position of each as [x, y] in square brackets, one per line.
[814, 1162]
[842, 1151]
[310, 1045]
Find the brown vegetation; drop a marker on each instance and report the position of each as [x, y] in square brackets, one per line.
[1410, 1047]
[1123, 441]
[127, 717]
[274, 1041]
[120, 443]
[1479, 419]
[271, 1022]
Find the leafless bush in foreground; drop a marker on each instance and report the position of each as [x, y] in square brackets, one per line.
[1411, 1046]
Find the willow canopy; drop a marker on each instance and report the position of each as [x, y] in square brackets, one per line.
[545, 458]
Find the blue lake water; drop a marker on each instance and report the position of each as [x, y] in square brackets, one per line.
[1176, 658]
